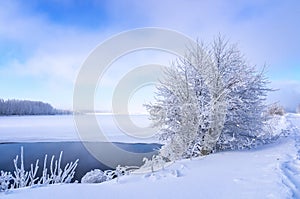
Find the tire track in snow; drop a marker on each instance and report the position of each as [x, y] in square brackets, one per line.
[291, 169]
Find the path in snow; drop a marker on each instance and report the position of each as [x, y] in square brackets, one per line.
[290, 170]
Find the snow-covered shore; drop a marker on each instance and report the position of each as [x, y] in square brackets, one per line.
[270, 171]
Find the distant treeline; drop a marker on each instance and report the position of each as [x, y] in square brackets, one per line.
[26, 107]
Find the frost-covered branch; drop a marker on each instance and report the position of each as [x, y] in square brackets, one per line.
[22, 178]
[5, 179]
[211, 99]
[59, 175]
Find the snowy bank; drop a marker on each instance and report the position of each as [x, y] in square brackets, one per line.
[270, 171]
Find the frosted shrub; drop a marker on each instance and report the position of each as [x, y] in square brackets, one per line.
[22, 178]
[155, 163]
[57, 174]
[117, 173]
[275, 127]
[94, 176]
[5, 179]
[98, 176]
[275, 109]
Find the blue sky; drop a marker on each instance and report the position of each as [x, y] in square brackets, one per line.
[44, 43]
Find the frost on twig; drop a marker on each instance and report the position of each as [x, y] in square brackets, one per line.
[57, 174]
[22, 178]
[155, 163]
[117, 173]
[5, 179]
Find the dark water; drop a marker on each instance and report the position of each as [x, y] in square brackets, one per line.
[71, 152]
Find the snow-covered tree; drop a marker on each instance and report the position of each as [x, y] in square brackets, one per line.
[246, 94]
[26, 107]
[176, 113]
[298, 109]
[211, 99]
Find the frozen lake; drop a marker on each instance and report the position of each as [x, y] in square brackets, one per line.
[71, 152]
[40, 135]
[63, 128]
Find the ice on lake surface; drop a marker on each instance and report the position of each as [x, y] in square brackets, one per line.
[63, 128]
[40, 135]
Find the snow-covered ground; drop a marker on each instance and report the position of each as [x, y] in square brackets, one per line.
[270, 171]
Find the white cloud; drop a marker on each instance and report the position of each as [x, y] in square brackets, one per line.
[267, 31]
[51, 51]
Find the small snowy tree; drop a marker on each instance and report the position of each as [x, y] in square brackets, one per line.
[211, 99]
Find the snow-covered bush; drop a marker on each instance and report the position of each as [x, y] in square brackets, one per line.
[5, 179]
[157, 162]
[275, 127]
[94, 176]
[117, 173]
[57, 174]
[209, 100]
[98, 176]
[22, 178]
[275, 109]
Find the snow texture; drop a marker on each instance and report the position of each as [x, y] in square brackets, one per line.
[270, 171]
[94, 176]
[290, 169]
